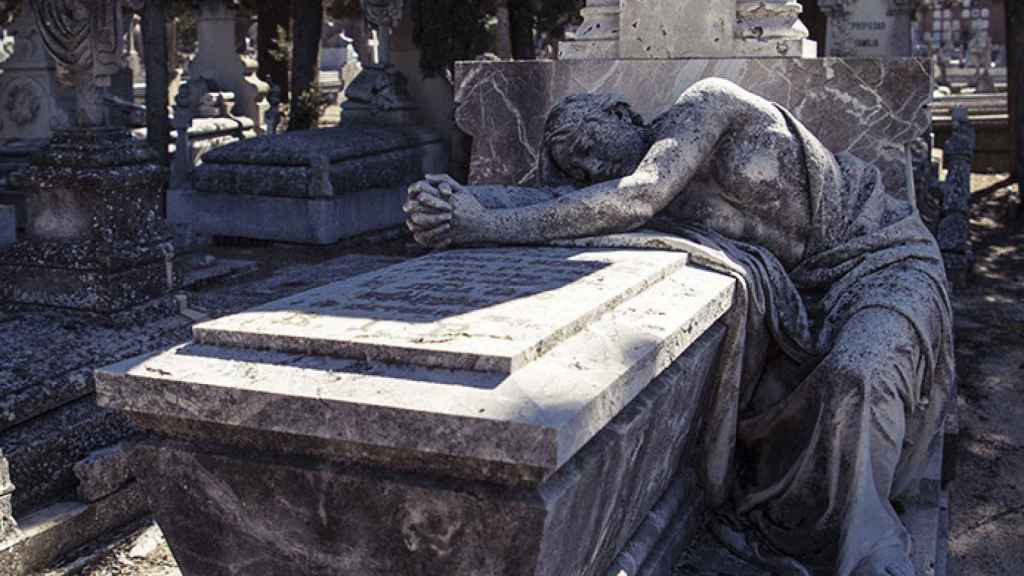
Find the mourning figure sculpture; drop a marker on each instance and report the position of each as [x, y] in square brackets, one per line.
[831, 392]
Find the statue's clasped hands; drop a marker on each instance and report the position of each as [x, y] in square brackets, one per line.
[440, 212]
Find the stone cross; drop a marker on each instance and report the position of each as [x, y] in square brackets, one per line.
[181, 164]
[384, 15]
[379, 91]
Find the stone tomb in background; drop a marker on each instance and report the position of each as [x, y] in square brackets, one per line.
[526, 411]
[309, 186]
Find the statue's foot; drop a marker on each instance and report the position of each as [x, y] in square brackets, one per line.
[886, 561]
[745, 546]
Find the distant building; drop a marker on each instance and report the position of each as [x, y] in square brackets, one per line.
[956, 22]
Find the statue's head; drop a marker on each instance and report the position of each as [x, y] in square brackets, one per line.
[591, 138]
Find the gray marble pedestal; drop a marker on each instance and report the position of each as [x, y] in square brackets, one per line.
[527, 411]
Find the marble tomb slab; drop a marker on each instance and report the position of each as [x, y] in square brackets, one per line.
[523, 424]
[291, 462]
[487, 310]
[871, 108]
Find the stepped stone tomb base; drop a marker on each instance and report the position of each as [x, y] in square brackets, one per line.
[507, 411]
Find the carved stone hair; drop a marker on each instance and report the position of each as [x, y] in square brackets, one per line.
[564, 126]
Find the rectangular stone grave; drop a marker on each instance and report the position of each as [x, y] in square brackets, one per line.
[310, 186]
[496, 411]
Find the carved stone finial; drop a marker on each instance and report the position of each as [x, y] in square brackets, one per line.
[598, 36]
[85, 39]
[770, 20]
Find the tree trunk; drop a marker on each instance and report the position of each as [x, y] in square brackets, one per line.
[502, 32]
[273, 16]
[307, 26]
[158, 76]
[521, 26]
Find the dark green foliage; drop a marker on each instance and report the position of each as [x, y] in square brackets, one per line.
[554, 15]
[341, 9]
[451, 30]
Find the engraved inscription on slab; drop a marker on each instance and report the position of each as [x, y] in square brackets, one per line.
[489, 310]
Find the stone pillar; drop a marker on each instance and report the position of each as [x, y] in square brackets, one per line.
[156, 32]
[218, 63]
[7, 524]
[135, 50]
[598, 36]
[954, 228]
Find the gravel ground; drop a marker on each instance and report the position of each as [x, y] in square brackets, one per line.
[987, 500]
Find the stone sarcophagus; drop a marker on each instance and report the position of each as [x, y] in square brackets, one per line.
[312, 186]
[520, 411]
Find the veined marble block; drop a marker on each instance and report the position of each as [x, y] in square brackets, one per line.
[861, 106]
[519, 411]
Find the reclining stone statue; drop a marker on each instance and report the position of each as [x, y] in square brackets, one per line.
[833, 390]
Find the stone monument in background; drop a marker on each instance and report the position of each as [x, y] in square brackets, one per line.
[219, 67]
[629, 29]
[32, 103]
[868, 28]
[95, 237]
[379, 92]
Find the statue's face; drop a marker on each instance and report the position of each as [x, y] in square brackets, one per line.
[607, 146]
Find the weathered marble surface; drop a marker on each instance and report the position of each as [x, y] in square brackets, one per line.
[486, 310]
[48, 415]
[871, 108]
[677, 29]
[521, 426]
[95, 240]
[227, 510]
[42, 452]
